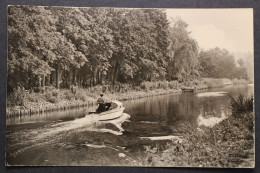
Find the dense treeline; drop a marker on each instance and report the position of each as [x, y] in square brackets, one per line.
[90, 46]
[219, 63]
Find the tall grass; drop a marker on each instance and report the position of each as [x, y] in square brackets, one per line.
[159, 85]
[242, 109]
[242, 105]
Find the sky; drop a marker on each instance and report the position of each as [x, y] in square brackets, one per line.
[231, 29]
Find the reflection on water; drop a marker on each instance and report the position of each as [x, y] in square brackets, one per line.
[157, 138]
[70, 138]
[211, 94]
[63, 115]
[170, 110]
[210, 121]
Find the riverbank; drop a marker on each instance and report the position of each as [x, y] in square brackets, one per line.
[213, 83]
[55, 99]
[23, 102]
[229, 143]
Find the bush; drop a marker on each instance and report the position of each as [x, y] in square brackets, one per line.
[81, 97]
[33, 97]
[146, 85]
[173, 84]
[163, 84]
[17, 98]
[68, 95]
[50, 98]
[242, 105]
[52, 95]
[55, 93]
[81, 94]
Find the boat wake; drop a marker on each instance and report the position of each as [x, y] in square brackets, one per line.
[112, 126]
[88, 123]
[52, 133]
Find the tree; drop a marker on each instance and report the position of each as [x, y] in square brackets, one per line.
[140, 45]
[26, 52]
[220, 63]
[183, 61]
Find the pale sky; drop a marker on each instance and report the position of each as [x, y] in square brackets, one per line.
[231, 29]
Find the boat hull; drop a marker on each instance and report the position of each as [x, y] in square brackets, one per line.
[109, 115]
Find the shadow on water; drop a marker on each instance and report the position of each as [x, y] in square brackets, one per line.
[70, 138]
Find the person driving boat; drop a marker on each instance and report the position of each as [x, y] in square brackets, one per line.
[102, 105]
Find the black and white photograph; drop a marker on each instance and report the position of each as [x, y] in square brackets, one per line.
[139, 87]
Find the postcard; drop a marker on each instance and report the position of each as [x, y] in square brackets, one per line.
[144, 87]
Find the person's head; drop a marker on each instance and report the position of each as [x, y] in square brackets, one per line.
[101, 95]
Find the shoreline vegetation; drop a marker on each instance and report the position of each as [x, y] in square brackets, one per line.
[229, 143]
[39, 100]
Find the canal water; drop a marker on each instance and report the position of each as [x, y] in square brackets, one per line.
[70, 138]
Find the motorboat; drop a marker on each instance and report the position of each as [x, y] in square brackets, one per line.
[189, 89]
[114, 112]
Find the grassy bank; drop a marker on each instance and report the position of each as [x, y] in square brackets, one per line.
[214, 82]
[25, 102]
[205, 83]
[48, 99]
[228, 144]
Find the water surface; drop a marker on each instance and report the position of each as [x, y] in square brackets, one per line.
[70, 138]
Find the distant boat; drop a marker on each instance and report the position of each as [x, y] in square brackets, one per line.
[189, 89]
[115, 112]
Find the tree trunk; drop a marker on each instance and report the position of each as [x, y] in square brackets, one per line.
[114, 79]
[85, 80]
[39, 80]
[52, 78]
[90, 82]
[58, 74]
[30, 80]
[95, 76]
[101, 78]
[98, 79]
[70, 76]
[75, 76]
[48, 79]
[43, 81]
[80, 81]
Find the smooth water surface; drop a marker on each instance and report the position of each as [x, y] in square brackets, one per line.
[70, 138]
